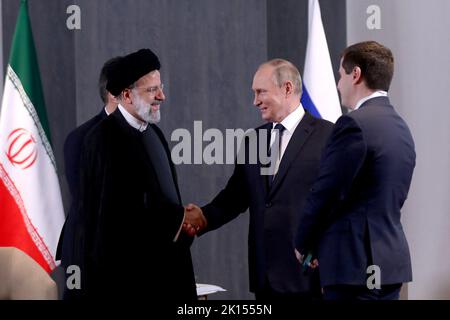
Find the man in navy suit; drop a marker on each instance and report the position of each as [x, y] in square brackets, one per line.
[274, 200]
[72, 152]
[351, 220]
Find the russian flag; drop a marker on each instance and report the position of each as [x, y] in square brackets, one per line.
[320, 95]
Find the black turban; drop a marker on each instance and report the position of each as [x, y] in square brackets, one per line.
[131, 68]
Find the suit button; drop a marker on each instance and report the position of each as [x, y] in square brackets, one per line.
[268, 204]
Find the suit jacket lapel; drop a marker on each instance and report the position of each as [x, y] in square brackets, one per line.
[298, 139]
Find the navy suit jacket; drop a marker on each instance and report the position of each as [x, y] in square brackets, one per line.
[274, 211]
[351, 219]
[72, 152]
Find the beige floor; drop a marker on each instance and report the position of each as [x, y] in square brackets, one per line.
[21, 278]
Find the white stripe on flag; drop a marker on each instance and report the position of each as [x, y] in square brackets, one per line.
[38, 184]
[318, 78]
[31, 212]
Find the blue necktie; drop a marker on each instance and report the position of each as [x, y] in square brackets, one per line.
[278, 134]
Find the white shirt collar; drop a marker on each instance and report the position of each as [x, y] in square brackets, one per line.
[293, 119]
[379, 93]
[106, 111]
[132, 121]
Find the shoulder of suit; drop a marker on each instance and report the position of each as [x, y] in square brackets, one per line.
[88, 124]
[156, 128]
[102, 129]
[365, 113]
[159, 133]
[77, 135]
[317, 123]
[323, 122]
[352, 119]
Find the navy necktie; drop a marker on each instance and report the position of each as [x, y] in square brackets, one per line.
[279, 129]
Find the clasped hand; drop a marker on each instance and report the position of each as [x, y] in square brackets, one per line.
[194, 220]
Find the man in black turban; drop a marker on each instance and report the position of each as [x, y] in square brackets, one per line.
[129, 236]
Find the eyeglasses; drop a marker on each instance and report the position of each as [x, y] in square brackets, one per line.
[152, 90]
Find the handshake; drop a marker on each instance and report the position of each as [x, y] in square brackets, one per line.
[194, 220]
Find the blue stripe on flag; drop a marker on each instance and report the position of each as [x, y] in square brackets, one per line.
[321, 98]
[308, 104]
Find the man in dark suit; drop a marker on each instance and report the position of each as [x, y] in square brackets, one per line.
[130, 209]
[74, 141]
[72, 152]
[351, 220]
[274, 199]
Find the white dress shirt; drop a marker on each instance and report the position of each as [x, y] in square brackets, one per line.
[376, 94]
[290, 123]
[132, 121]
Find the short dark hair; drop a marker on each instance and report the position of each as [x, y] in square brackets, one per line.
[103, 78]
[375, 61]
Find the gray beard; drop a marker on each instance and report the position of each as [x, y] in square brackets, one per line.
[145, 112]
[150, 117]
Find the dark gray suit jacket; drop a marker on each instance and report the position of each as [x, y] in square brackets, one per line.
[274, 212]
[72, 156]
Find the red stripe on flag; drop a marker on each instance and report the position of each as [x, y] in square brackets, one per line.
[13, 229]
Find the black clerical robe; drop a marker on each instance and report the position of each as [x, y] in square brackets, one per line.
[125, 240]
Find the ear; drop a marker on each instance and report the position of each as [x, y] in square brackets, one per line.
[356, 75]
[126, 96]
[112, 98]
[289, 88]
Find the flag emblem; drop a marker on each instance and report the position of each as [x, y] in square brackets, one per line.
[22, 152]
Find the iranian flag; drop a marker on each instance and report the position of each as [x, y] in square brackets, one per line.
[31, 210]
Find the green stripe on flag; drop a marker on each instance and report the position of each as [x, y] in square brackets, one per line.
[23, 61]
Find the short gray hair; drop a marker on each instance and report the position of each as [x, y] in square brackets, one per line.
[285, 71]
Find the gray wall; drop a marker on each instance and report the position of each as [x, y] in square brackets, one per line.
[209, 52]
[417, 33]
